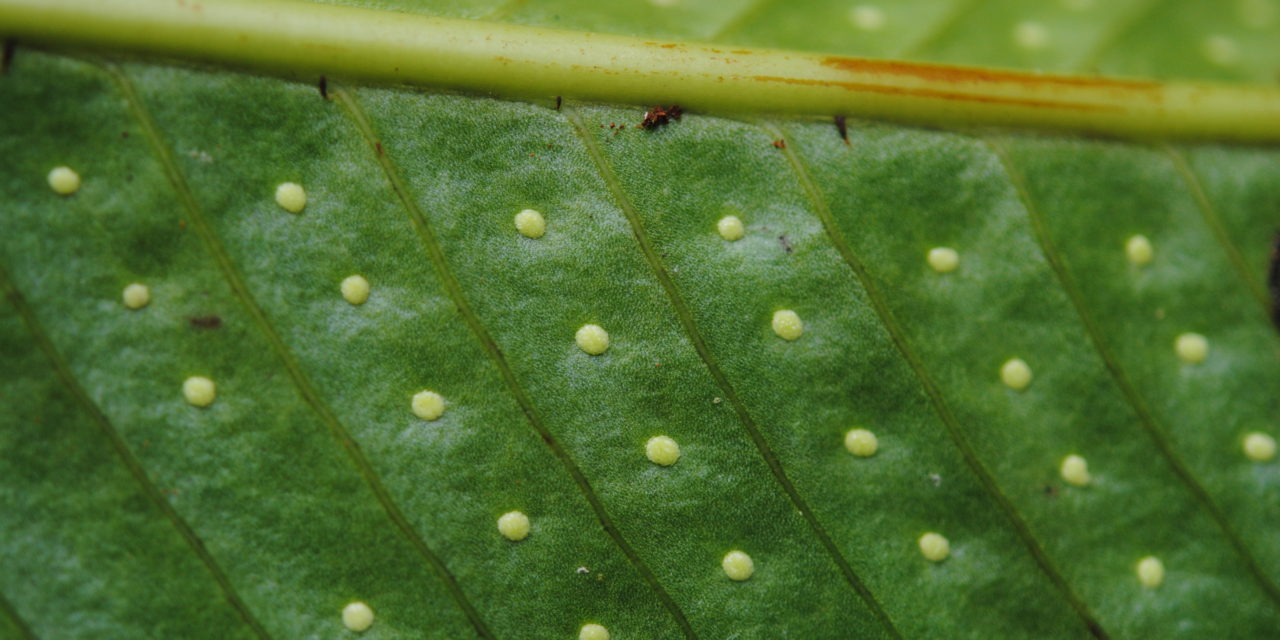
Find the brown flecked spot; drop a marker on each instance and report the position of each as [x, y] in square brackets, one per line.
[206, 322]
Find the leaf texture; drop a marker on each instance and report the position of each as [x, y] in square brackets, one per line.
[309, 483]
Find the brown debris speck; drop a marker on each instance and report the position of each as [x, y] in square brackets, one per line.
[658, 116]
[843, 128]
[324, 88]
[779, 144]
[1273, 279]
[786, 244]
[7, 58]
[206, 322]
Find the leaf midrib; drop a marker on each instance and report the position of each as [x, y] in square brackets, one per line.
[307, 39]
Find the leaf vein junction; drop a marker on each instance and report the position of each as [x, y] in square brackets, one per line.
[1214, 222]
[12, 614]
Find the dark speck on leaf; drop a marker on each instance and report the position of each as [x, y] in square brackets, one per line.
[206, 322]
[658, 116]
[786, 244]
[1273, 279]
[8, 56]
[843, 128]
[324, 88]
[780, 144]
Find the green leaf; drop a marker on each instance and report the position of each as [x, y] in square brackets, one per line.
[309, 482]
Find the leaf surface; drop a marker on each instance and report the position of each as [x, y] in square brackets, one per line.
[309, 483]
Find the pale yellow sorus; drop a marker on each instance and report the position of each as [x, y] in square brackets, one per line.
[199, 391]
[64, 181]
[943, 259]
[592, 339]
[357, 616]
[787, 324]
[531, 224]
[428, 405]
[662, 450]
[1015, 374]
[730, 228]
[291, 197]
[861, 443]
[738, 565]
[514, 526]
[136, 296]
[934, 547]
[355, 289]
[593, 631]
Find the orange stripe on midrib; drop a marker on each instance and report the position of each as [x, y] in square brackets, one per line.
[941, 95]
[966, 75]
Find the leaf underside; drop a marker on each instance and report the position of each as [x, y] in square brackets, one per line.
[309, 483]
